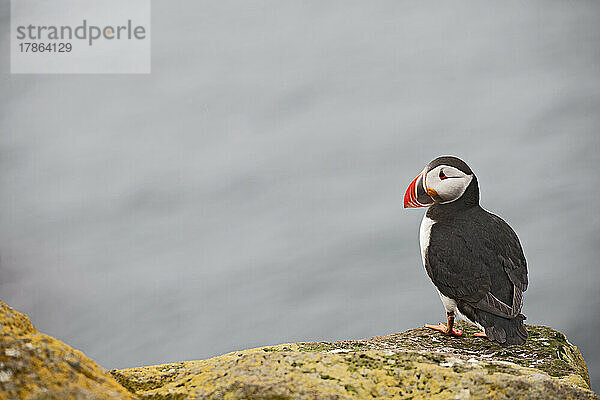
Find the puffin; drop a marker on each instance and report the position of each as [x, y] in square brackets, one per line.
[473, 257]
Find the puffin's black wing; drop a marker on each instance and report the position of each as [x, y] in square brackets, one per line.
[510, 255]
[510, 252]
[479, 260]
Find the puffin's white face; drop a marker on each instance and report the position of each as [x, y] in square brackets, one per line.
[445, 183]
[439, 183]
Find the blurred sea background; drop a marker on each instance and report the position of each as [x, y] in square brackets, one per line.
[249, 190]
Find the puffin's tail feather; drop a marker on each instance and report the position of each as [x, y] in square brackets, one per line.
[498, 329]
[506, 331]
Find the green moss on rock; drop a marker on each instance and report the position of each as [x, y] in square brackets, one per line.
[545, 349]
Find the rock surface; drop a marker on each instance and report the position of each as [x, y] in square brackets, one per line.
[416, 364]
[37, 366]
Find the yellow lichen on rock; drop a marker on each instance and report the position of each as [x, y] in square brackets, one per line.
[418, 364]
[260, 374]
[37, 366]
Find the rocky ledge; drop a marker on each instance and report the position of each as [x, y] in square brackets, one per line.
[415, 364]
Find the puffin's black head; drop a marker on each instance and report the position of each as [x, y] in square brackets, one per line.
[444, 180]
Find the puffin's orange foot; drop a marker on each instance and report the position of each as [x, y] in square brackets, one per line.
[480, 334]
[444, 329]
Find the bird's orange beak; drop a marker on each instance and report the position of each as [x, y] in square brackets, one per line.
[417, 195]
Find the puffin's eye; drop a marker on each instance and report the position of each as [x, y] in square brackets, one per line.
[442, 175]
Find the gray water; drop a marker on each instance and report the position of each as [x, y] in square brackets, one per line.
[249, 191]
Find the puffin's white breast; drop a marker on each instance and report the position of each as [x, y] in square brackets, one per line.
[424, 234]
